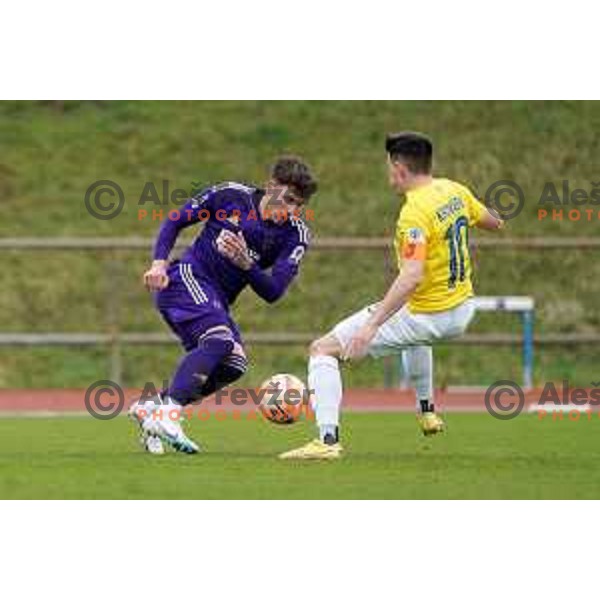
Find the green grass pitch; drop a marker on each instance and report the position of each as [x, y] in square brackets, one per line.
[479, 457]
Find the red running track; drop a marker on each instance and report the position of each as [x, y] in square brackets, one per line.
[355, 400]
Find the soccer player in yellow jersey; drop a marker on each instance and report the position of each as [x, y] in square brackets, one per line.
[429, 300]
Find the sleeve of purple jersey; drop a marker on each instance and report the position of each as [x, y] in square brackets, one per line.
[170, 228]
[271, 287]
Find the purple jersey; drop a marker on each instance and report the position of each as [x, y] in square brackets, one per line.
[234, 206]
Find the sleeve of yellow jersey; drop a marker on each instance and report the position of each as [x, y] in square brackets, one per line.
[412, 236]
[475, 208]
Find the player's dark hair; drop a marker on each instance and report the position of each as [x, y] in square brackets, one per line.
[294, 172]
[414, 150]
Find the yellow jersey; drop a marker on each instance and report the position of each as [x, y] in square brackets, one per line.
[433, 226]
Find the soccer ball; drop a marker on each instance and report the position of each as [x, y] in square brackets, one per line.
[284, 398]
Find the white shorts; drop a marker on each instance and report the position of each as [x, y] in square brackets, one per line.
[405, 329]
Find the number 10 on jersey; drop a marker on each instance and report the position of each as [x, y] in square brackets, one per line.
[457, 237]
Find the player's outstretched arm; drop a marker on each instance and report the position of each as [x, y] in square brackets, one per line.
[480, 215]
[155, 278]
[490, 220]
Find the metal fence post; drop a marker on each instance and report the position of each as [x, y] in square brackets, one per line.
[528, 339]
[113, 298]
[389, 366]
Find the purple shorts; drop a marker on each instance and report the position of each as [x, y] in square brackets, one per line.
[191, 305]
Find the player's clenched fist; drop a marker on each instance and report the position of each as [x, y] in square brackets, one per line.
[234, 248]
[156, 278]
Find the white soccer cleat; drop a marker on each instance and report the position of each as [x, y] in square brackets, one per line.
[140, 409]
[153, 444]
[138, 412]
[170, 432]
[163, 422]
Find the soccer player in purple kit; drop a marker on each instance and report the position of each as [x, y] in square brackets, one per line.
[247, 231]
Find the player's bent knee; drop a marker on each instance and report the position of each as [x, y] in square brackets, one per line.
[231, 369]
[325, 346]
[235, 365]
[315, 348]
[237, 362]
[217, 340]
[238, 349]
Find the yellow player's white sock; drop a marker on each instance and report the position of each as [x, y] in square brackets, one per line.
[325, 383]
[418, 364]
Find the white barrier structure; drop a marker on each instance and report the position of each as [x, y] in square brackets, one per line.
[524, 306]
